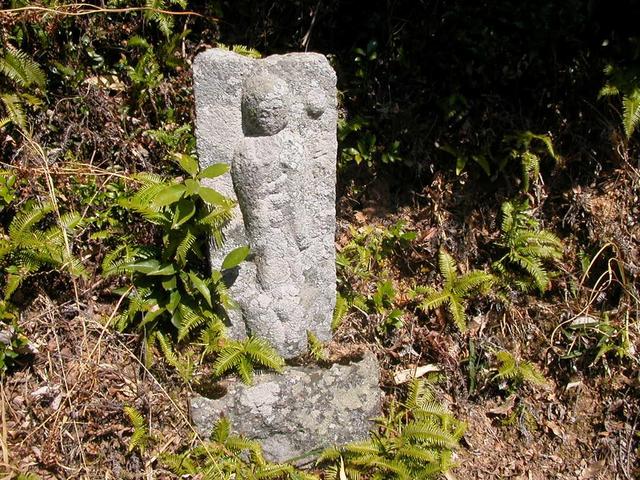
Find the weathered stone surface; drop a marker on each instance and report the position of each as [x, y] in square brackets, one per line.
[300, 411]
[274, 122]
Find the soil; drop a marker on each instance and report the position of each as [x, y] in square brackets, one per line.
[63, 411]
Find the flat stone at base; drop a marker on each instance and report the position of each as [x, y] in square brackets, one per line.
[300, 411]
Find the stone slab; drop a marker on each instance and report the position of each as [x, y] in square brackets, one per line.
[300, 411]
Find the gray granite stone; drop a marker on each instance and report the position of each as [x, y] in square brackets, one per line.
[300, 411]
[274, 122]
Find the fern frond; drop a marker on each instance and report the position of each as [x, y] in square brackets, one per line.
[429, 433]
[229, 357]
[26, 219]
[221, 430]
[140, 437]
[531, 374]
[419, 394]
[185, 246]
[472, 280]
[212, 336]
[457, 310]
[191, 320]
[21, 68]
[179, 464]
[533, 267]
[366, 447]
[167, 350]
[14, 109]
[273, 470]
[631, 111]
[264, 354]
[341, 308]
[417, 454]
[447, 267]
[316, 347]
[245, 370]
[508, 364]
[434, 300]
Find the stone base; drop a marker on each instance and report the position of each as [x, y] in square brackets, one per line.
[300, 412]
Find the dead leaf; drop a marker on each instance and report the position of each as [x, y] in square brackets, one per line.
[505, 408]
[593, 470]
[407, 374]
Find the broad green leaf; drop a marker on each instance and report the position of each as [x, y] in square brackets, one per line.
[174, 301]
[484, 164]
[185, 209]
[214, 170]
[210, 196]
[235, 257]
[193, 186]
[201, 286]
[169, 195]
[188, 163]
[167, 269]
[144, 266]
[461, 162]
[150, 316]
[170, 284]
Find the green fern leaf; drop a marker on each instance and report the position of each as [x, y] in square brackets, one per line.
[262, 353]
[434, 300]
[20, 68]
[245, 370]
[191, 320]
[140, 437]
[229, 357]
[631, 111]
[457, 308]
[14, 109]
[448, 267]
[430, 434]
[472, 280]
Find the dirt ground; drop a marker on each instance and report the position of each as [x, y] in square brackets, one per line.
[62, 413]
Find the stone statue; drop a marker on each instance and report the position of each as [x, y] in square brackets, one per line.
[274, 122]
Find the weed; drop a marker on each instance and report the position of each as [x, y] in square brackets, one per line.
[515, 373]
[527, 246]
[455, 289]
[415, 440]
[140, 439]
[624, 82]
[13, 343]
[243, 355]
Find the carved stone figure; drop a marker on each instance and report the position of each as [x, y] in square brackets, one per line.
[274, 122]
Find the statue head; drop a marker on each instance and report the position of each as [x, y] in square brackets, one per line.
[265, 105]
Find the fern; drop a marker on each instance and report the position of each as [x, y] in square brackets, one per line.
[20, 68]
[528, 246]
[527, 148]
[455, 289]
[24, 72]
[29, 248]
[183, 363]
[414, 441]
[140, 438]
[341, 309]
[625, 82]
[243, 355]
[164, 21]
[518, 372]
[241, 50]
[316, 348]
[229, 456]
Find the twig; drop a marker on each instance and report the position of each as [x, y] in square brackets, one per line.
[88, 9]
